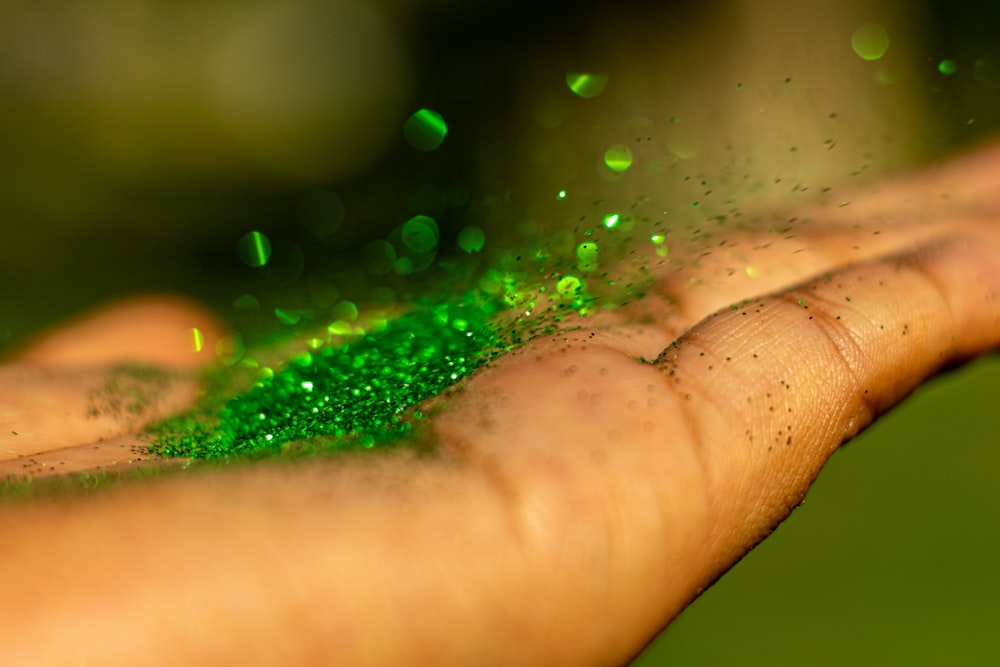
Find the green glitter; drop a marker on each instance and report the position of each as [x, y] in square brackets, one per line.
[561, 194]
[420, 234]
[870, 41]
[254, 249]
[569, 286]
[471, 239]
[197, 339]
[586, 85]
[618, 158]
[587, 251]
[611, 220]
[947, 67]
[246, 302]
[425, 130]
[359, 390]
[288, 317]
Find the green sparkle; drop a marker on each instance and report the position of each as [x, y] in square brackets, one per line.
[425, 130]
[289, 317]
[870, 41]
[254, 249]
[611, 220]
[947, 67]
[471, 239]
[569, 286]
[618, 158]
[356, 392]
[561, 194]
[586, 84]
[587, 251]
[420, 233]
[246, 302]
[197, 339]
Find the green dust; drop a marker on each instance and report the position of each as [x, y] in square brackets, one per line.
[351, 394]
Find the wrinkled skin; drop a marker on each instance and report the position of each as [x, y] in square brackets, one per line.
[574, 482]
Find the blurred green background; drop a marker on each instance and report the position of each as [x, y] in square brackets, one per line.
[139, 141]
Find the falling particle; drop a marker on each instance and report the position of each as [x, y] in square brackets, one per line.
[254, 249]
[657, 239]
[345, 310]
[611, 220]
[739, 86]
[752, 271]
[675, 120]
[569, 286]
[246, 302]
[561, 194]
[288, 317]
[471, 239]
[586, 84]
[587, 251]
[618, 158]
[420, 233]
[970, 121]
[197, 339]
[425, 130]
[947, 67]
[870, 41]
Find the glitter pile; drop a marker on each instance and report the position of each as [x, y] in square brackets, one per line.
[357, 393]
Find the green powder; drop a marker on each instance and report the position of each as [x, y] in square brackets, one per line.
[356, 392]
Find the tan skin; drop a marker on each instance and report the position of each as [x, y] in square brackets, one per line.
[580, 498]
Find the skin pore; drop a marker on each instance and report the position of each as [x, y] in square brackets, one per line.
[569, 474]
[609, 472]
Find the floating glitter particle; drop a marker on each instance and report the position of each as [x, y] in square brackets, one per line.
[658, 239]
[246, 302]
[586, 84]
[569, 286]
[947, 67]
[197, 339]
[611, 220]
[420, 233]
[587, 251]
[425, 130]
[618, 158]
[254, 249]
[752, 271]
[288, 317]
[561, 195]
[345, 310]
[471, 239]
[870, 41]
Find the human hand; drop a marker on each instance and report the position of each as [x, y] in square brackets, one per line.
[574, 484]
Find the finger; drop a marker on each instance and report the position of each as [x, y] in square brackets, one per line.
[163, 331]
[772, 389]
[106, 374]
[43, 410]
[701, 276]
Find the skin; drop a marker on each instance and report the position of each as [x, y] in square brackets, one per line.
[579, 497]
